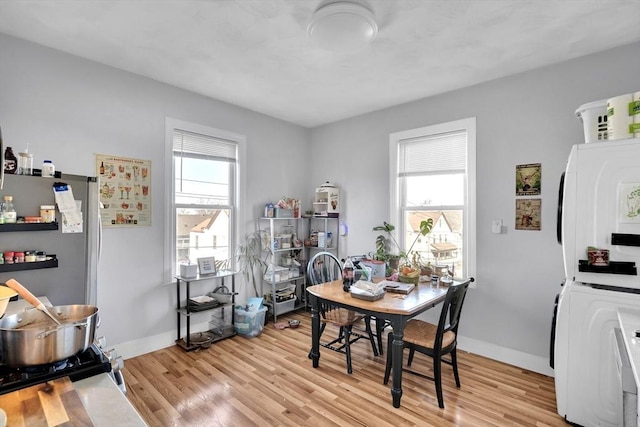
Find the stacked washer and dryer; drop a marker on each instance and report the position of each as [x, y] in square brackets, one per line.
[598, 211]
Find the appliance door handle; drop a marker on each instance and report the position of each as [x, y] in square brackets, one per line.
[560, 203]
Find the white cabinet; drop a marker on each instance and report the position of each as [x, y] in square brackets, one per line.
[283, 285]
[326, 201]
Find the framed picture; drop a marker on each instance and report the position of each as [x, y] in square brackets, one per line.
[207, 265]
[528, 179]
[528, 213]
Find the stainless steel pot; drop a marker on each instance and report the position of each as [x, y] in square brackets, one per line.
[31, 338]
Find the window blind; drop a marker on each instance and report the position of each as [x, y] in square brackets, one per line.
[445, 152]
[196, 145]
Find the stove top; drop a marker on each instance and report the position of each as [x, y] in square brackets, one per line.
[85, 364]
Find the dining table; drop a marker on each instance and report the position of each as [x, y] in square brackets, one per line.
[395, 308]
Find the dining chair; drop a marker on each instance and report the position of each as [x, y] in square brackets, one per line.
[326, 267]
[434, 340]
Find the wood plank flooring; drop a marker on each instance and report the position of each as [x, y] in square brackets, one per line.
[269, 381]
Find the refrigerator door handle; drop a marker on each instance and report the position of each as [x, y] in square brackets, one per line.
[560, 203]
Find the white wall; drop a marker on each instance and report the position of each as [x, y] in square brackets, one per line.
[68, 109]
[525, 118]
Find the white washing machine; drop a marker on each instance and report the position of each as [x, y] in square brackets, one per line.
[588, 389]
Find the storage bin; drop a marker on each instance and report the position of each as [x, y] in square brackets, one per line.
[285, 306]
[220, 323]
[284, 213]
[250, 323]
[594, 121]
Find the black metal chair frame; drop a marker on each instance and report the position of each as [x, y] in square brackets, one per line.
[346, 334]
[449, 321]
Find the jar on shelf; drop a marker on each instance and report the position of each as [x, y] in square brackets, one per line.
[18, 257]
[48, 169]
[48, 213]
[8, 211]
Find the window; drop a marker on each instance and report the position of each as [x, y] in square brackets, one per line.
[204, 184]
[433, 176]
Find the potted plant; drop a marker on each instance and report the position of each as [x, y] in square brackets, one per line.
[410, 267]
[251, 258]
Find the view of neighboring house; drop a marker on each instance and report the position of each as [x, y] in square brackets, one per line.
[444, 243]
[202, 236]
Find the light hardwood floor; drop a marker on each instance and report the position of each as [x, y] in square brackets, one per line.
[269, 381]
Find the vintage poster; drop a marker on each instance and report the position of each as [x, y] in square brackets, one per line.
[528, 179]
[125, 191]
[528, 214]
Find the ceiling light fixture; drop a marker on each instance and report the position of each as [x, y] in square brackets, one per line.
[342, 26]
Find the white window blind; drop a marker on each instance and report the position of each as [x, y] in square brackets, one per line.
[188, 143]
[436, 154]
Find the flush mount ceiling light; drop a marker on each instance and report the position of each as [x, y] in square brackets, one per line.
[342, 26]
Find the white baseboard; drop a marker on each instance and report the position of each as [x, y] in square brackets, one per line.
[506, 355]
[145, 345]
[517, 358]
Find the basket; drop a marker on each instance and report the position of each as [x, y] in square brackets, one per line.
[221, 294]
[407, 279]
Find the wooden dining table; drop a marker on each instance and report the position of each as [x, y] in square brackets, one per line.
[396, 308]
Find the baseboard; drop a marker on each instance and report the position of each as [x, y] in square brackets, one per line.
[502, 354]
[145, 345]
[506, 355]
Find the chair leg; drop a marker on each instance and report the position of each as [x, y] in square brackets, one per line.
[387, 368]
[411, 354]
[454, 365]
[379, 330]
[437, 376]
[367, 324]
[347, 347]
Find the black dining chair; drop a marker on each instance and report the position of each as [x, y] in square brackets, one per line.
[326, 267]
[434, 340]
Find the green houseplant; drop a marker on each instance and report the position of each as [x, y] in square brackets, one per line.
[387, 244]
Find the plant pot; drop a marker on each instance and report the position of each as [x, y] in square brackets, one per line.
[426, 271]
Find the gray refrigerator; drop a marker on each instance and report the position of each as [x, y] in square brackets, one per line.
[69, 274]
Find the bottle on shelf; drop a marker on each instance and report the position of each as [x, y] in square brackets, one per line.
[10, 161]
[8, 211]
[48, 169]
[347, 274]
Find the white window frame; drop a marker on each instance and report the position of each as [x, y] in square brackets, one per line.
[469, 211]
[170, 206]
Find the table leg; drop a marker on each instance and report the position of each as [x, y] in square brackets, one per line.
[396, 358]
[314, 354]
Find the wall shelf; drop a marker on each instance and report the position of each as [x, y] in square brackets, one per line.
[22, 266]
[23, 226]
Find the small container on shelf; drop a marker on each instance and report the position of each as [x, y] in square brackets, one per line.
[8, 257]
[48, 213]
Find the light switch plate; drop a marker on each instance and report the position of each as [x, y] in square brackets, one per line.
[496, 226]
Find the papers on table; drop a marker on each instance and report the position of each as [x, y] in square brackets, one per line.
[364, 287]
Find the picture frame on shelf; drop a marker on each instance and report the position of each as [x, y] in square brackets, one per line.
[207, 265]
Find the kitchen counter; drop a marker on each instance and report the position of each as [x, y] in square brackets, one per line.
[105, 403]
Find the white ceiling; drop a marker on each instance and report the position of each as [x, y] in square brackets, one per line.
[256, 54]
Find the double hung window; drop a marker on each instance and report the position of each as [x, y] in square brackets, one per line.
[204, 164]
[433, 177]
